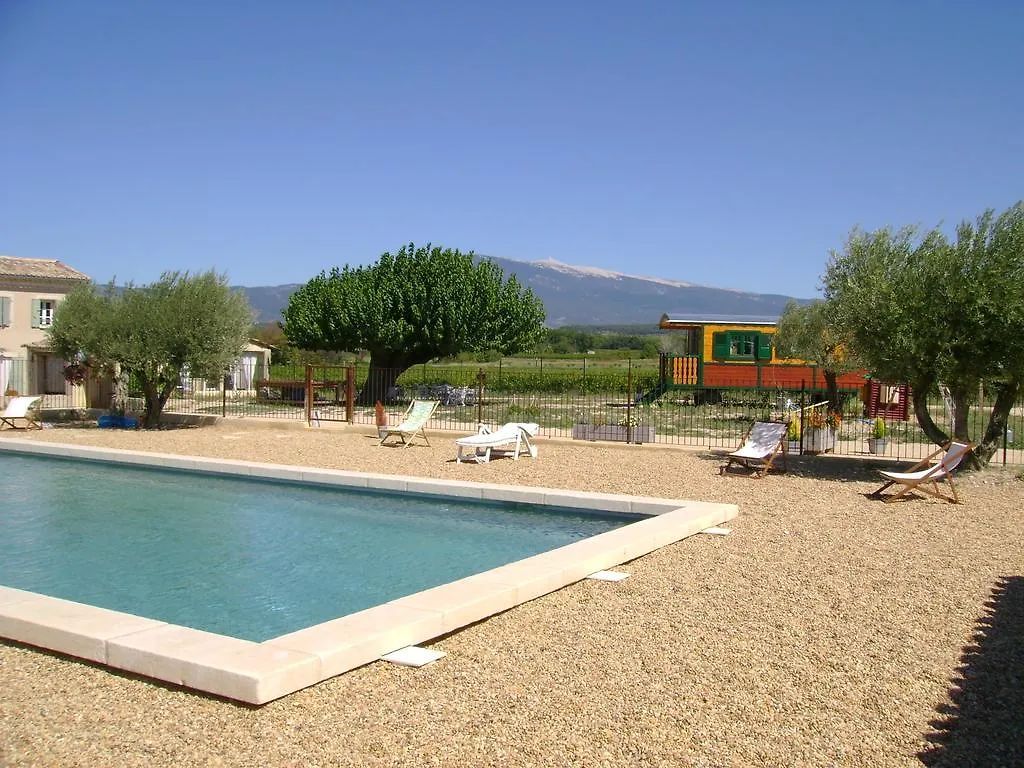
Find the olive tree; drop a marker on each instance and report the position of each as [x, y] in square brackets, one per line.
[921, 308]
[411, 307]
[807, 332]
[154, 332]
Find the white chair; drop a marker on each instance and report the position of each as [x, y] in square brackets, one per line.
[512, 439]
[22, 409]
[924, 474]
[762, 443]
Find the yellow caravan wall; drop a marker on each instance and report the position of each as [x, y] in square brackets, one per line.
[711, 330]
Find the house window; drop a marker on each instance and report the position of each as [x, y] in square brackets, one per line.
[42, 312]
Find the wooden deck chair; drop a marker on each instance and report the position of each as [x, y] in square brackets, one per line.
[414, 421]
[764, 441]
[22, 409]
[925, 476]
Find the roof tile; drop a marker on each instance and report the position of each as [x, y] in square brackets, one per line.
[12, 266]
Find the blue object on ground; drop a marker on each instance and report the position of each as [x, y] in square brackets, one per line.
[117, 422]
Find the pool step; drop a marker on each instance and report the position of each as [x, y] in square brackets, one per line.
[413, 656]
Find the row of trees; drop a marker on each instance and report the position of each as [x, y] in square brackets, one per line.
[920, 307]
[908, 305]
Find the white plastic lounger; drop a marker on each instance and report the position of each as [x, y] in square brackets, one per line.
[21, 408]
[512, 439]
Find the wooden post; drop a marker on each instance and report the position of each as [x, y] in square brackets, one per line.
[629, 400]
[350, 392]
[309, 394]
[481, 377]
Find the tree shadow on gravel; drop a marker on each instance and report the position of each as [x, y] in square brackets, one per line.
[836, 468]
[984, 726]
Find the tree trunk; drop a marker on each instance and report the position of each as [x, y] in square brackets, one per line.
[931, 430]
[156, 399]
[385, 368]
[1006, 395]
[118, 394]
[835, 403]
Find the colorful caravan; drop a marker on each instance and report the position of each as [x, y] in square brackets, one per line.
[735, 352]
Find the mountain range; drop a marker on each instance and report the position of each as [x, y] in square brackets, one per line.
[590, 296]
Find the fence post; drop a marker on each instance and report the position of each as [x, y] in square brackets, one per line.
[499, 371]
[803, 395]
[629, 400]
[481, 377]
[309, 394]
[350, 392]
[224, 396]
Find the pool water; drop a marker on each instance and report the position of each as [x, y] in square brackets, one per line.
[244, 557]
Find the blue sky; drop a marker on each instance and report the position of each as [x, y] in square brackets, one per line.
[723, 143]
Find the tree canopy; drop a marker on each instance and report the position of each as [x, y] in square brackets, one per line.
[921, 308]
[807, 332]
[154, 332]
[411, 307]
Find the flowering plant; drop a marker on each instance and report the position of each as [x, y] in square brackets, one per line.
[819, 419]
[75, 373]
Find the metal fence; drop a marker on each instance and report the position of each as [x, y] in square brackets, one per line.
[599, 404]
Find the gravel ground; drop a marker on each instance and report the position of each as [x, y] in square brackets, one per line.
[828, 629]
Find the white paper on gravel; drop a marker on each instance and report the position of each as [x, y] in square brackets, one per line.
[718, 531]
[608, 576]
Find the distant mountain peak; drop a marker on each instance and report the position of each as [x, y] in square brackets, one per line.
[572, 269]
[575, 295]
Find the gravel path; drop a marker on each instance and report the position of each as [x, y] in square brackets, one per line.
[828, 629]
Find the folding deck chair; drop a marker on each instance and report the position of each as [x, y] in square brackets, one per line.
[21, 408]
[764, 441]
[512, 439]
[414, 422]
[925, 476]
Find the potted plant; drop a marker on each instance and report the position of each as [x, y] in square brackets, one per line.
[820, 431]
[793, 435]
[878, 442]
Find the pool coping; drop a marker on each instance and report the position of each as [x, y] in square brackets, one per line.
[259, 672]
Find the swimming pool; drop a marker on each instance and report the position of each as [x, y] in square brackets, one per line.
[258, 672]
[251, 558]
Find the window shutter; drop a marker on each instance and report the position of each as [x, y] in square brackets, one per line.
[764, 347]
[720, 345]
[5, 310]
[36, 307]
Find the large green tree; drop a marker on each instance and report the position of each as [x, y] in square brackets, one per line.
[154, 332]
[807, 332]
[922, 308]
[411, 307]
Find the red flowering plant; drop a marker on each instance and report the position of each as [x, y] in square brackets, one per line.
[76, 372]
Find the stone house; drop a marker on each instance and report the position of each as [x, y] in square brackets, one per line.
[30, 290]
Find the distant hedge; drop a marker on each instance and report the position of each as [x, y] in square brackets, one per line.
[510, 379]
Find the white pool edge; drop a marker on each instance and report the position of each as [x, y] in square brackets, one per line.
[257, 673]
